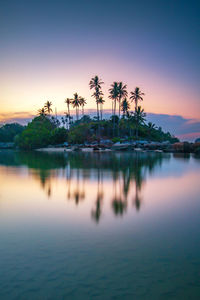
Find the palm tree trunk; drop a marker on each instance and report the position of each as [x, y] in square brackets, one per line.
[76, 113]
[119, 106]
[137, 130]
[97, 109]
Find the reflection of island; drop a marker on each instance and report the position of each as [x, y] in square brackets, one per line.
[125, 173]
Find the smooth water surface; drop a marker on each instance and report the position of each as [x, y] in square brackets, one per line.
[99, 226]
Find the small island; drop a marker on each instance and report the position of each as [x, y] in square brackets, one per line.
[126, 129]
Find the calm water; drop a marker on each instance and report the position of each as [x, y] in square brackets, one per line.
[99, 226]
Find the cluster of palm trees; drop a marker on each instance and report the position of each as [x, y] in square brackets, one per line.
[46, 110]
[117, 93]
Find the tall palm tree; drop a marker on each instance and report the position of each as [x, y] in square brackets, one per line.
[125, 106]
[150, 127]
[82, 102]
[114, 96]
[76, 104]
[42, 112]
[68, 102]
[47, 107]
[139, 117]
[101, 102]
[136, 96]
[95, 83]
[122, 93]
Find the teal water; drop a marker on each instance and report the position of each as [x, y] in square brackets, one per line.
[99, 226]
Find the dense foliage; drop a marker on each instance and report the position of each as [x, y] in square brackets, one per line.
[41, 132]
[9, 131]
[88, 130]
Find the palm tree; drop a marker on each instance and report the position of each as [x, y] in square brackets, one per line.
[68, 102]
[95, 83]
[76, 103]
[82, 104]
[136, 96]
[114, 96]
[47, 107]
[122, 92]
[150, 126]
[101, 102]
[125, 106]
[139, 117]
[42, 112]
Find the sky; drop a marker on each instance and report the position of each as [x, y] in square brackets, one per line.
[50, 49]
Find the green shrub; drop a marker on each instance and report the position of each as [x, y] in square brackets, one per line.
[36, 135]
[58, 136]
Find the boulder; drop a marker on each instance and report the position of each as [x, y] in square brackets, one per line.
[118, 146]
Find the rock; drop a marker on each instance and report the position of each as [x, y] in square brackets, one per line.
[118, 146]
[138, 149]
[75, 148]
[197, 140]
[87, 149]
[142, 142]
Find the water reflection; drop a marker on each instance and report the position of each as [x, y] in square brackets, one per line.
[125, 172]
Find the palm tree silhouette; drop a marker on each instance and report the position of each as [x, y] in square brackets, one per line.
[101, 102]
[122, 93]
[136, 96]
[150, 126]
[139, 118]
[76, 104]
[47, 107]
[82, 102]
[68, 101]
[95, 83]
[114, 96]
[125, 106]
[42, 112]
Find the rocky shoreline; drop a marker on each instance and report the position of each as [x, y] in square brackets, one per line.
[108, 145]
[181, 147]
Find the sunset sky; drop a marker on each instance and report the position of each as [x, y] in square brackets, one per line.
[50, 49]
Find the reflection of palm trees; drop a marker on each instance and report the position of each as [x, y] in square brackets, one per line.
[96, 213]
[78, 194]
[127, 171]
[119, 206]
[137, 199]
